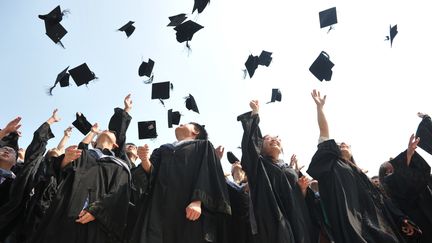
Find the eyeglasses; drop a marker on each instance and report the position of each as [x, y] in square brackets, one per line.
[8, 149]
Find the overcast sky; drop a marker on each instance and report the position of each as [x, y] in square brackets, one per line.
[373, 96]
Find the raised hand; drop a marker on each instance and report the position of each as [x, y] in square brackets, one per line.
[421, 114]
[54, 117]
[143, 153]
[193, 210]
[68, 132]
[128, 103]
[304, 182]
[254, 105]
[12, 126]
[412, 145]
[219, 151]
[319, 101]
[71, 153]
[294, 163]
[95, 128]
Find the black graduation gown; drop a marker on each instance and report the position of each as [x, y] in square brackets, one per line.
[356, 210]
[180, 175]
[278, 215]
[17, 214]
[100, 187]
[239, 226]
[408, 188]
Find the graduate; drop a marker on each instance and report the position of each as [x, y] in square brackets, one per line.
[356, 209]
[188, 199]
[278, 216]
[92, 200]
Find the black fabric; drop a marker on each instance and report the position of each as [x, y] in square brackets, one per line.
[180, 175]
[17, 214]
[408, 188]
[277, 211]
[356, 210]
[424, 131]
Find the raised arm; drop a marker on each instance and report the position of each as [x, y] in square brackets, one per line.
[66, 135]
[412, 145]
[144, 155]
[91, 135]
[119, 123]
[12, 126]
[322, 121]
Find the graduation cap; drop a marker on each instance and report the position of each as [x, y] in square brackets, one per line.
[232, 158]
[251, 64]
[328, 17]
[161, 90]
[173, 118]
[53, 29]
[53, 17]
[82, 124]
[200, 5]
[265, 58]
[393, 33]
[147, 129]
[424, 132]
[128, 28]
[191, 103]
[321, 67]
[276, 96]
[82, 74]
[145, 69]
[186, 30]
[177, 19]
[62, 78]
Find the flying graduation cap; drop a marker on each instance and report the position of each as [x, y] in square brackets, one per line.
[328, 17]
[393, 33]
[232, 158]
[146, 69]
[276, 96]
[82, 124]
[186, 30]
[147, 129]
[177, 19]
[200, 5]
[173, 118]
[161, 90]
[62, 78]
[128, 28]
[424, 131]
[53, 29]
[191, 103]
[321, 68]
[264, 59]
[82, 74]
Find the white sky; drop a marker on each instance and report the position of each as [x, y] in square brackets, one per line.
[373, 96]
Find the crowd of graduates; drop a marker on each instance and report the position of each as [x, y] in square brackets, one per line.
[105, 189]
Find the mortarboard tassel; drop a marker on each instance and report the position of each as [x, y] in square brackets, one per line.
[150, 80]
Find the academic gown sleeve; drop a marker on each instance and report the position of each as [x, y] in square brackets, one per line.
[119, 123]
[324, 159]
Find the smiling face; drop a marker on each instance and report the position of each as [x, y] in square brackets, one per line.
[271, 146]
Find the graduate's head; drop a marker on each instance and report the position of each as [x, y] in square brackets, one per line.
[346, 152]
[272, 146]
[106, 140]
[131, 150]
[54, 152]
[191, 130]
[375, 180]
[385, 170]
[238, 173]
[8, 157]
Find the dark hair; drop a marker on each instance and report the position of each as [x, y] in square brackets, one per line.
[382, 173]
[374, 177]
[202, 133]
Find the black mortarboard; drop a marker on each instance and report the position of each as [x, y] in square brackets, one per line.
[276, 95]
[191, 103]
[82, 74]
[147, 129]
[321, 67]
[53, 17]
[161, 90]
[200, 5]
[56, 32]
[251, 64]
[62, 78]
[424, 131]
[393, 33]
[186, 30]
[82, 124]
[128, 28]
[173, 118]
[177, 19]
[146, 68]
[265, 58]
[232, 158]
[328, 17]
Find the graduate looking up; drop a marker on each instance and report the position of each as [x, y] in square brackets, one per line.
[357, 211]
[187, 192]
[278, 216]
